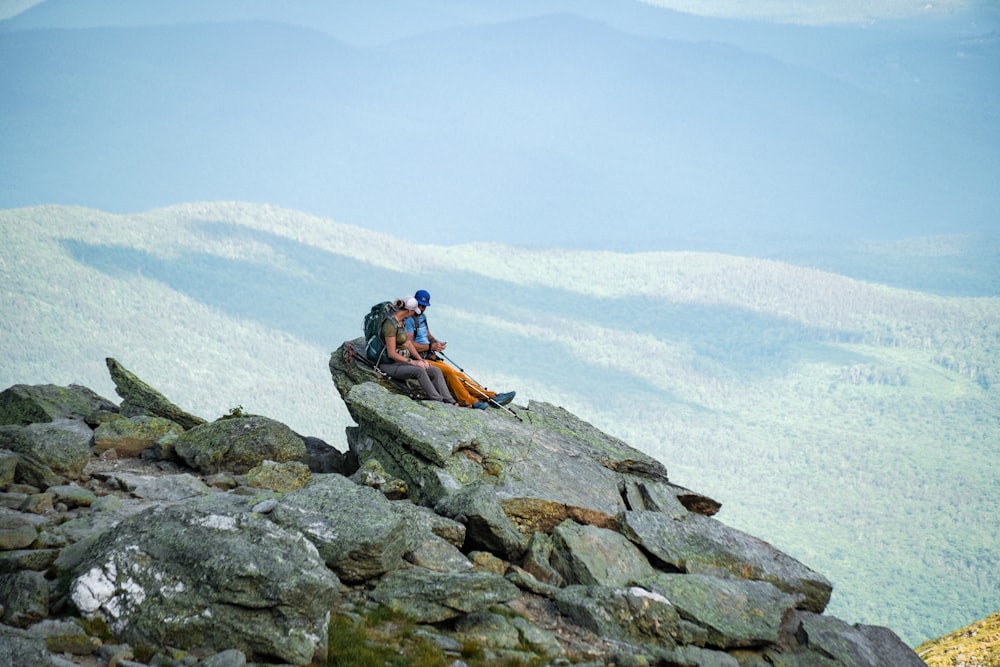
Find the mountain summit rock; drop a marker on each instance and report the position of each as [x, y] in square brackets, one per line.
[463, 536]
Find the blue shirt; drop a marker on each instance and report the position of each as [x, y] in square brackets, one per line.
[417, 325]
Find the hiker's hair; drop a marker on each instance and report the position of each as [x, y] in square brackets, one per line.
[399, 304]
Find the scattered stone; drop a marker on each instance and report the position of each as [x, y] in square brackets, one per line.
[280, 477]
[130, 436]
[66, 636]
[24, 595]
[433, 597]
[73, 495]
[16, 531]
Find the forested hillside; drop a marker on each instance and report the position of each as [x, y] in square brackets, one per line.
[851, 423]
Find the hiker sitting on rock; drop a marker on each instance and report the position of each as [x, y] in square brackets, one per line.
[402, 361]
[466, 391]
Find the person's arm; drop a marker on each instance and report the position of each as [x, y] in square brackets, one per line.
[415, 359]
[434, 345]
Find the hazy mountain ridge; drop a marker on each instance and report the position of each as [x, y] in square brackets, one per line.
[551, 126]
[729, 369]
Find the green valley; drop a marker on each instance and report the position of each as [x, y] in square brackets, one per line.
[852, 423]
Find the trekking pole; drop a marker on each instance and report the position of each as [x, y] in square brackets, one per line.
[477, 387]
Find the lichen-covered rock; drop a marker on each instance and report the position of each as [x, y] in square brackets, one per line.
[73, 495]
[595, 556]
[24, 597]
[355, 529]
[487, 527]
[18, 647]
[238, 444]
[61, 447]
[432, 597]
[544, 470]
[734, 612]
[66, 636]
[24, 404]
[167, 489]
[436, 554]
[21, 560]
[632, 614]
[421, 521]
[701, 545]
[129, 436]
[17, 531]
[858, 645]
[209, 573]
[280, 477]
[371, 473]
[139, 398]
[8, 468]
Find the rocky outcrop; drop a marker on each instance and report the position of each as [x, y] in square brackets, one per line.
[139, 398]
[528, 534]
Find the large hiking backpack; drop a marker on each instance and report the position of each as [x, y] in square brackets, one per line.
[374, 345]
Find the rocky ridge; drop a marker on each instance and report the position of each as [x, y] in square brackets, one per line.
[135, 534]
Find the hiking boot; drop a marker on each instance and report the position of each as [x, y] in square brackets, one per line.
[505, 398]
[479, 405]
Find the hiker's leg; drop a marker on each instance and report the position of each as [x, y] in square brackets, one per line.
[430, 390]
[454, 383]
[474, 388]
[408, 372]
[399, 371]
[436, 377]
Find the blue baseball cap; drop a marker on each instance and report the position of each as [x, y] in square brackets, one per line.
[423, 297]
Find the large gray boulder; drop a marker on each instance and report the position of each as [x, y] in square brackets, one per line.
[624, 614]
[733, 612]
[238, 444]
[17, 531]
[24, 597]
[432, 597]
[18, 647]
[24, 404]
[543, 470]
[698, 544]
[61, 446]
[596, 556]
[356, 530]
[842, 643]
[209, 573]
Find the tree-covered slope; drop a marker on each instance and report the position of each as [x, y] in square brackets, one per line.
[852, 424]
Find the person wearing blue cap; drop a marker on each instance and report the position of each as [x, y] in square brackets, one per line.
[402, 362]
[466, 391]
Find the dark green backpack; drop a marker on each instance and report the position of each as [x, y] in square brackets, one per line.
[374, 344]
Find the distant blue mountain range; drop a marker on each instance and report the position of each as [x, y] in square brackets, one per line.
[608, 124]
